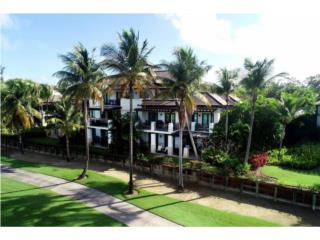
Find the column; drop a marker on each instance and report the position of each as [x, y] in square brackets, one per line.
[170, 145]
[153, 144]
[193, 126]
[89, 135]
[153, 126]
[211, 126]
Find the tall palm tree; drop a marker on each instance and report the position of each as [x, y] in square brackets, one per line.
[257, 75]
[82, 75]
[67, 119]
[227, 81]
[187, 72]
[18, 108]
[129, 64]
[2, 68]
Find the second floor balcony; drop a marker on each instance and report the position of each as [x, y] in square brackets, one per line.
[159, 126]
[98, 122]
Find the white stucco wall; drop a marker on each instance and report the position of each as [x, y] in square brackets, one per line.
[125, 104]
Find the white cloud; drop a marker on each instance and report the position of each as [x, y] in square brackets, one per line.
[292, 40]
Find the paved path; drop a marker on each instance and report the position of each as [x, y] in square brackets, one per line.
[113, 207]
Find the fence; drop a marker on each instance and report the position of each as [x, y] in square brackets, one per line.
[287, 194]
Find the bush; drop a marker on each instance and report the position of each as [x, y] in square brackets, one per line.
[258, 160]
[303, 157]
[242, 169]
[38, 132]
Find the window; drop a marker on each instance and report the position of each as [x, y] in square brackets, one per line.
[170, 117]
[205, 118]
[195, 117]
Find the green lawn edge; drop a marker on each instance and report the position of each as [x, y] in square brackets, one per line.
[24, 204]
[182, 212]
[296, 178]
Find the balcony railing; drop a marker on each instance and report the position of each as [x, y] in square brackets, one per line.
[158, 126]
[112, 102]
[98, 122]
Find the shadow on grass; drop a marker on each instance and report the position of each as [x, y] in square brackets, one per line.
[49, 210]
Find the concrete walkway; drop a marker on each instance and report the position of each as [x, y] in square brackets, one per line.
[122, 211]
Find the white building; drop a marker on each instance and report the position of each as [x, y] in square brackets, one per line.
[158, 119]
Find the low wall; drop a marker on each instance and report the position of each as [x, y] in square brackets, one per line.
[287, 194]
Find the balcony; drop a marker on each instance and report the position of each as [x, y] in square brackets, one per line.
[112, 102]
[97, 122]
[158, 126]
[197, 127]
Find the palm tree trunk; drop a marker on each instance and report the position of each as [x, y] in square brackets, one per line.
[180, 186]
[191, 138]
[281, 141]
[227, 123]
[67, 148]
[86, 166]
[21, 144]
[130, 189]
[254, 98]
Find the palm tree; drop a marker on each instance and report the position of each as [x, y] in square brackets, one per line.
[131, 71]
[227, 80]
[67, 119]
[17, 107]
[187, 72]
[82, 75]
[2, 68]
[289, 107]
[258, 74]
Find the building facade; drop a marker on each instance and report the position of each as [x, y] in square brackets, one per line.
[158, 120]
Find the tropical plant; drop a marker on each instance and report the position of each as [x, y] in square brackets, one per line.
[186, 71]
[82, 76]
[227, 83]
[66, 119]
[291, 106]
[129, 64]
[18, 109]
[257, 75]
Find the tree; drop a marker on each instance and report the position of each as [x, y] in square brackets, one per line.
[82, 76]
[187, 72]
[227, 83]
[2, 68]
[17, 107]
[67, 119]
[131, 71]
[291, 106]
[314, 82]
[257, 75]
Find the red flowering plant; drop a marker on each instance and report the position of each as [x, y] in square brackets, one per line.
[258, 160]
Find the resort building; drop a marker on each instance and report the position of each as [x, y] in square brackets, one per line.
[158, 118]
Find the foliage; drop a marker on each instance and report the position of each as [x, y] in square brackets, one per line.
[258, 160]
[302, 129]
[19, 105]
[225, 161]
[305, 156]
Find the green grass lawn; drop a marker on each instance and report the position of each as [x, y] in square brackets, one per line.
[310, 179]
[27, 205]
[182, 212]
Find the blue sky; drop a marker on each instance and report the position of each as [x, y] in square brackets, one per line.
[31, 42]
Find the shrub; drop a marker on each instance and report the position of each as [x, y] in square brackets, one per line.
[304, 157]
[242, 169]
[258, 160]
[38, 132]
[215, 157]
